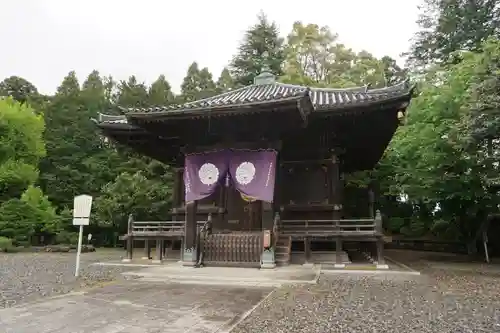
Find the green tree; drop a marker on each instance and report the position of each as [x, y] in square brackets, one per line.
[367, 69]
[206, 84]
[132, 93]
[146, 194]
[18, 88]
[21, 147]
[436, 160]
[18, 220]
[93, 93]
[197, 84]
[310, 53]
[393, 73]
[160, 92]
[314, 58]
[76, 160]
[262, 38]
[225, 82]
[46, 218]
[447, 26]
[70, 87]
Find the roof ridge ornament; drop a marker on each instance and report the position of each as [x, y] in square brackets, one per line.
[265, 76]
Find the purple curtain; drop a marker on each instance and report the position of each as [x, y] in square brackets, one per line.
[203, 173]
[253, 173]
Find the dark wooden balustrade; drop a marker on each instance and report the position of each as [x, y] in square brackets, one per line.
[158, 228]
[319, 228]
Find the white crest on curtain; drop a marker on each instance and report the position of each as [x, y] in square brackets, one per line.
[245, 172]
[208, 174]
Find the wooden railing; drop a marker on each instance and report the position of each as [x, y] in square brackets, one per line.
[342, 227]
[157, 228]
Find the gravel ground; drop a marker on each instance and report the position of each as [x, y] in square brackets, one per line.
[437, 301]
[28, 276]
[440, 300]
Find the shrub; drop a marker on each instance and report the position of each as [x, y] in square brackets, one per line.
[66, 237]
[17, 219]
[6, 244]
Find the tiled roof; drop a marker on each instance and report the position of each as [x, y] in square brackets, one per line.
[322, 99]
[104, 118]
[243, 96]
[331, 98]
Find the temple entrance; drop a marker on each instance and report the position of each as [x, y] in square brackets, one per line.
[242, 215]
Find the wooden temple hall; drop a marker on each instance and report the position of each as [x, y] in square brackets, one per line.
[259, 171]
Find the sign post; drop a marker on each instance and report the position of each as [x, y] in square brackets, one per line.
[81, 216]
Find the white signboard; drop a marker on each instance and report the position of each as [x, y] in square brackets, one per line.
[81, 209]
[81, 216]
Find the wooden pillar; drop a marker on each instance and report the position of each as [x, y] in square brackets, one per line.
[336, 187]
[338, 253]
[189, 256]
[130, 240]
[371, 203]
[147, 250]
[380, 253]
[167, 247]
[220, 220]
[177, 188]
[177, 195]
[380, 241]
[336, 191]
[267, 216]
[307, 250]
[158, 251]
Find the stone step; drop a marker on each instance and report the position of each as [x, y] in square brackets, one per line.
[283, 249]
[282, 257]
[263, 284]
[320, 257]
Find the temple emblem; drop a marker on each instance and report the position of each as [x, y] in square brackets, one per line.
[245, 173]
[208, 174]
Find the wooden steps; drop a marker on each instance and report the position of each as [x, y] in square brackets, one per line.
[283, 250]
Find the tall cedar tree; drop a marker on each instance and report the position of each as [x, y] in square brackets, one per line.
[225, 82]
[197, 84]
[160, 92]
[248, 62]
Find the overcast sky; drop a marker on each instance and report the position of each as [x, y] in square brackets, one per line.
[42, 40]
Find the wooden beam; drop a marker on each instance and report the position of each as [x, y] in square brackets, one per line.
[263, 144]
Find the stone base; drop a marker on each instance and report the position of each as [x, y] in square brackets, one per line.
[156, 261]
[126, 260]
[145, 258]
[382, 266]
[339, 265]
[189, 257]
[267, 266]
[188, 263]
[308, 265]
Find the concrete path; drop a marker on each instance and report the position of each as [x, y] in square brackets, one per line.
[228, 276]
[136, 307]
